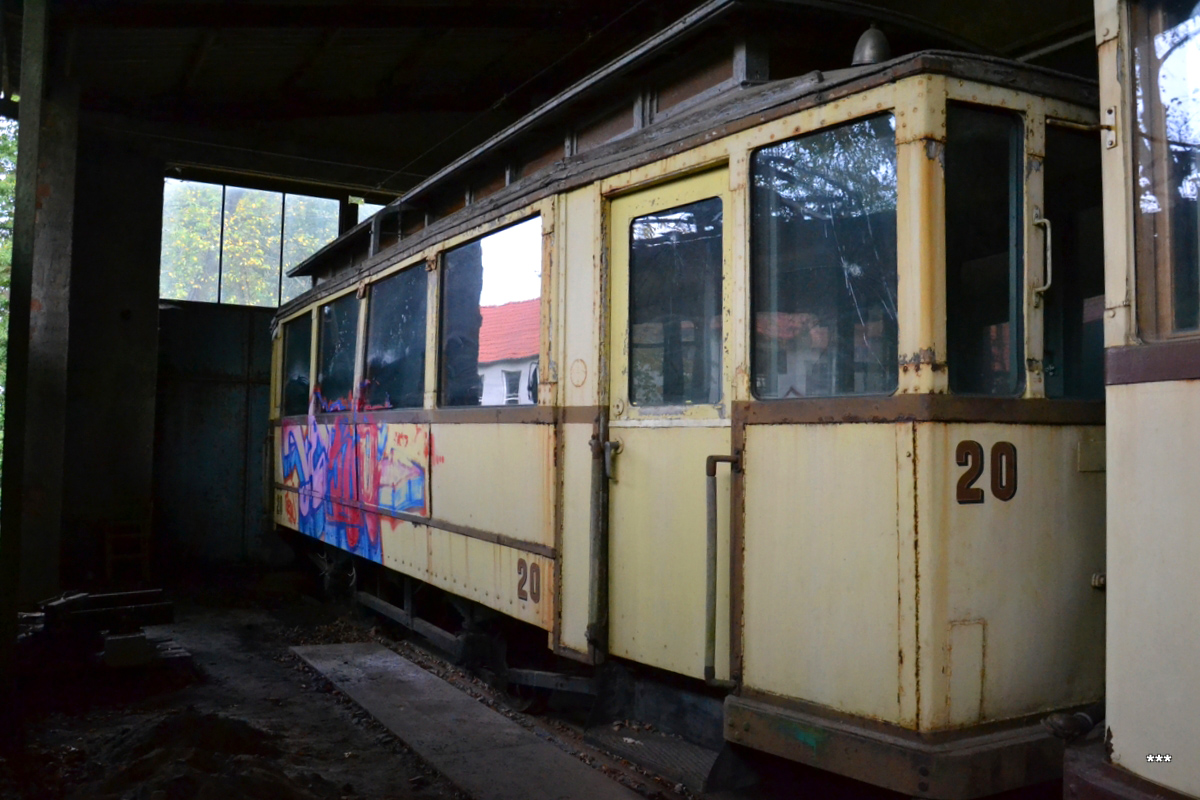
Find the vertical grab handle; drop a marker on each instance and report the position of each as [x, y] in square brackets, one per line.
[1039, 291]
[710, 600]
[610, 449]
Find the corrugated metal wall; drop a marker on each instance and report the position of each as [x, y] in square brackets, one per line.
[213, 385]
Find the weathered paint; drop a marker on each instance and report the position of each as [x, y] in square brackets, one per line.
[485, 572]
[1153, 628]
[1022, 568]
[496, 478]
[657, 545]
[657, 548]
[823, 559]
[575, 552]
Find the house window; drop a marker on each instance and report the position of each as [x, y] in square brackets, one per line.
[823, 263]
[1167, 156]
[512, 386]
[491, 315]
[229, 244]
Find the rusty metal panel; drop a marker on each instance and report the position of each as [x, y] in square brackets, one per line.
[1011, 551]
[657, 548]
[1153, 594]
[495, 477]
[576, 534]
[506, 579]
[823, 559]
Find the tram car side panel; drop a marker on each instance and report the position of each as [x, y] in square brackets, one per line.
[496, 477]
[1153, 506]
[578, 231]
[826, 552]
[1010, 528]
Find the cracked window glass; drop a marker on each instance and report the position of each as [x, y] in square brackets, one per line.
[335, 353]
[823, 263]
[394, 375]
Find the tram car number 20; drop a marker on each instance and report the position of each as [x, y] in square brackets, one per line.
[969, 454]
[529, 581]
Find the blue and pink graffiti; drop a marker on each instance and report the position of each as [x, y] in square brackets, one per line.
[346, 468]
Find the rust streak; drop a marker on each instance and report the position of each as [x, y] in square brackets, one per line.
[916, 575]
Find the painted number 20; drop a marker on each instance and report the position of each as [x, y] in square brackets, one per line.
[530, 574]
[969, 454]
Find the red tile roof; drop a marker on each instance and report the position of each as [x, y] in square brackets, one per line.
[510, 331]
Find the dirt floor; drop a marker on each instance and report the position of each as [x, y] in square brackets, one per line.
[244, 719]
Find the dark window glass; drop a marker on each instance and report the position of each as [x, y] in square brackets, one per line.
[823, 263]
[335, 357]
[1073, 352]
[675, 305]
[297, 350]
[984, 158]
[394, 376]
[1167, 74]
[491, 315]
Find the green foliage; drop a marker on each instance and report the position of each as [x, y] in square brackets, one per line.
[8, 186]
[247, 259]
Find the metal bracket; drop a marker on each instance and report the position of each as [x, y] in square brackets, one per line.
[1109, 126]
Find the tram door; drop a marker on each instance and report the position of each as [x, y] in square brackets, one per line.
[669, 409]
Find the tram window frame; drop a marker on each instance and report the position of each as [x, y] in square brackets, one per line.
[968, 373]
[766, 367]
[1167, 255]
[327, 361]
[416, 330]
[294, 409]
[456, 393]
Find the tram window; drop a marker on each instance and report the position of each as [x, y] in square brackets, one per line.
[491, 315]
[297, 350]
[1073, 354]
[1167, 71]
[675, 305]
[335, 355]
[394, 373]
[823, 269]
[984, 226]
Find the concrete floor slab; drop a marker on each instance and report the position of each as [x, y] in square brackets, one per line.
[485, 754]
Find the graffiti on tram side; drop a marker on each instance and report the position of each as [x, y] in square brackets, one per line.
[339, 467]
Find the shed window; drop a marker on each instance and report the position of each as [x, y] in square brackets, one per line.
[984, 227]
[1167, 155]
[228, 244]
[823, 269]
[297, 352]
[335, 356]
[491, 314]
[394, 374]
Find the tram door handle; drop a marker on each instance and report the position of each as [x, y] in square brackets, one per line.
[610, 450]
[1040, 291]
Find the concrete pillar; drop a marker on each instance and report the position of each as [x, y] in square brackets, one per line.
[32, 499]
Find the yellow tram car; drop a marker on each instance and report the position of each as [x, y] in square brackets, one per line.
[790, 387]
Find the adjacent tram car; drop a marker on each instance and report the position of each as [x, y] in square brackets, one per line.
[790, 387]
